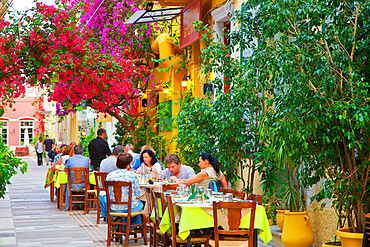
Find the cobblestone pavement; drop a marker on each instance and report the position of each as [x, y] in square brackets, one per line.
[29, 218]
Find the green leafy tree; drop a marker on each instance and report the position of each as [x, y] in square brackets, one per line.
[313, 59]
[226, 124]
[144, 134]
[8, 165]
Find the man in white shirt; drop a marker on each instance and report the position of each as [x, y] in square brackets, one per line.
[129, 148]
[176, 171]
[109, 164]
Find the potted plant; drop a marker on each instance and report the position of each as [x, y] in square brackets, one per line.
[296, 230]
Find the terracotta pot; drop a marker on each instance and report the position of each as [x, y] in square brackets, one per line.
[280, 216]
[350, 239]
[297, 230]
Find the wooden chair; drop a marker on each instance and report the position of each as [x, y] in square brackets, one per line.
[151, 225]
[92, 197]
[82, 176]
[234, 236]
[99, 179]
[168, 187]
[161, 238]
[257, 198]
[225, 191]
[175, 239]
[239, 194]
[366, 238]
[117, 195]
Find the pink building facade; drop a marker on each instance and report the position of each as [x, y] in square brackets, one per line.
[22, 123]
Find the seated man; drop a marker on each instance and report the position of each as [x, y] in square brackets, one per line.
[125, 175]
[75, 161]
[59, 154]
[109, 164]
[176, 171]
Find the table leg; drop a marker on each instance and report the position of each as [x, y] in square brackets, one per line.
[188, 241]
[61, 196]
[52, 192]
[255, 239]
[58, 197]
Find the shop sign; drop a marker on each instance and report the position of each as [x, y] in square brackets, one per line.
[190, 14]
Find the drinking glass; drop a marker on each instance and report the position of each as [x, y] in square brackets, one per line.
[199, 198]
[229, 197]
[201, 188]
[209, 192]
[178, 190]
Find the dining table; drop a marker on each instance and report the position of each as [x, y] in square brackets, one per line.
[192, 215]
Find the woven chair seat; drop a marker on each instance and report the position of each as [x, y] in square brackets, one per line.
[227, 243]
[91, 191]
[83, 190]
[160, 232]
[126, 214]
[197, 239]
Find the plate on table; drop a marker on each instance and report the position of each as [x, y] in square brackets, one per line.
[184, 201]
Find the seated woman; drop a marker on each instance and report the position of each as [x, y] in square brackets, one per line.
[65, 155]
[124, 175]
[210, 171]
[148, 162]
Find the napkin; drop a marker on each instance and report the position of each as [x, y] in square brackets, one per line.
[197, 191]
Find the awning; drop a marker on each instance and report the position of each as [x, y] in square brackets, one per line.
[154, 15]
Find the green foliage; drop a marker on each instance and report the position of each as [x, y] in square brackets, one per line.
[144, 134]
[313, 60]
[227, 126]
[8, 167]
[86, 139]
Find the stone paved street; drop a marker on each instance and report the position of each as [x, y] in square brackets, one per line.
[29, 218]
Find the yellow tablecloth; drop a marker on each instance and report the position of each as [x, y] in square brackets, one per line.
[193, 218]
[62, 178]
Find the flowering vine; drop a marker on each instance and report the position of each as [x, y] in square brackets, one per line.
[52, 49]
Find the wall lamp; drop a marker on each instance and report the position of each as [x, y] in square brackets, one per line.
[149, 6]
[184, 81]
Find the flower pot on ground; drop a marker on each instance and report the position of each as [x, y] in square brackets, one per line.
[297, 230]
[280, 216]
[350, 239]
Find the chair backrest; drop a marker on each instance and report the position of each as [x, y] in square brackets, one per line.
[366, 238]
[117, 194]
[239, 194]
[81, 175]
[215, 186]
[168, 187]
[171, 211]
[100, 178]
[149, 199]
[159, 203]
[227, 190]
[257, 198]
[234, 216]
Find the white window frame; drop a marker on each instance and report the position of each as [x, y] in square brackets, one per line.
[7, 130]
[31, 130]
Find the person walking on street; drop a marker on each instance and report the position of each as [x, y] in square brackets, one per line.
[39, 150]
[99, 149]
[48, 145]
